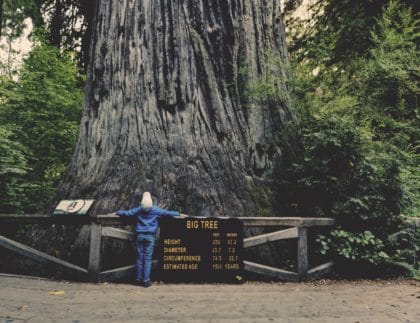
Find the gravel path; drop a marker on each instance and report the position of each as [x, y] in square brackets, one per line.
[41, 300]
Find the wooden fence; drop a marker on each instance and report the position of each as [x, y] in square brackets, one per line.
[101, 226]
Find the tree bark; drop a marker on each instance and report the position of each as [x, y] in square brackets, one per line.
[166, 107]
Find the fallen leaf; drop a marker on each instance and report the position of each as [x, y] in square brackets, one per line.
[56, 292]
[23, 307]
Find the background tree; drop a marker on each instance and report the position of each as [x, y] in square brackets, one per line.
[70, 25]
[358, 112]
[1, 16]
[335, 31]
[68, 22]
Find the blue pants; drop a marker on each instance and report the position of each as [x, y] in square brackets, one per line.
[145, 244]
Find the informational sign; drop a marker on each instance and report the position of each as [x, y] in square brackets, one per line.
[74, 207]
[200, 249]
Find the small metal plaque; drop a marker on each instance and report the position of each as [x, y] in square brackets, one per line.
[73, 207]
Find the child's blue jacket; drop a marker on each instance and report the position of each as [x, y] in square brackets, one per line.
[147, 221]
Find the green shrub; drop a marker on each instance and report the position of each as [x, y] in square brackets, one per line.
[44, 107]
[13, 167]
[338, 174]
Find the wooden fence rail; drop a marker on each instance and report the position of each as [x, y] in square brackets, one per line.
[100, 226]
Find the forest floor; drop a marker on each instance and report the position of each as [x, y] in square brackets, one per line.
[43, 300]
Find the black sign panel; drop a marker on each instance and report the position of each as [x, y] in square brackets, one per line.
[200, 249]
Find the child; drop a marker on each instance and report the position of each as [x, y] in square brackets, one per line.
[147, 224]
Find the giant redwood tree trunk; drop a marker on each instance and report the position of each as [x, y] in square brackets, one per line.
[166, 108]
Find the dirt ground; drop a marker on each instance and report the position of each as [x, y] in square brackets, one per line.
[42, 300]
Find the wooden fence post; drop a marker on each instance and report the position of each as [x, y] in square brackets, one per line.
[95, 251]
[302, 253]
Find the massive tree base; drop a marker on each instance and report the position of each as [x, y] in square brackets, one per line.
[167, 109]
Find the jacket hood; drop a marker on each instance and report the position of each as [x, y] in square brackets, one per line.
[146, 201]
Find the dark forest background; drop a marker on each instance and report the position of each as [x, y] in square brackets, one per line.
[355, 87]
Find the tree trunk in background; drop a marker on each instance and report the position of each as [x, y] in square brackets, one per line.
[166, 109]
[1, 17]
[57, 22]
[88, 11]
